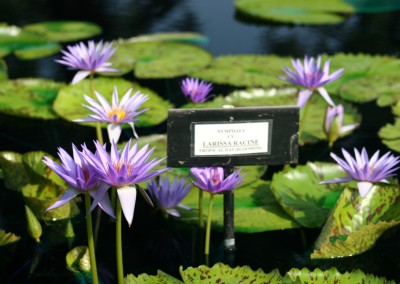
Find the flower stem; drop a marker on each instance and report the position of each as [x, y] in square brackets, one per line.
[99, 134]
[201, 205]
[118, 243]
[92, 255]
[208, 230]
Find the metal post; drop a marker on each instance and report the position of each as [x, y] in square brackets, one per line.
[229, 227]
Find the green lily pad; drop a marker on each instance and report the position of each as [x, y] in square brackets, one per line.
[8, 246]
[160, 278]
[254, 199]
[13, 38]
[13, 170]
[38, 51]
[299, 192]
[311, 12]
[39, 198]
[371, 6]
[318, 276]
[312, 129]
[31, 98]
[158, 59]
[355, 223]
[64, 30]
[245, 70]
[38, 172]
[3, 69]
[7, 239]
[185, 37]
[222, 273]
[68, 103]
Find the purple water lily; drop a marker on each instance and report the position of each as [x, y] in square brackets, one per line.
[196, 90]
[311, 77]
[123, 170]
[364, 170]
[82, 178]
[169, 195]
[212, 179]
[119, 112]
[333, 123]
[88, 59]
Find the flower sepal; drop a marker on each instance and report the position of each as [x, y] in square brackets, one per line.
[127, 198]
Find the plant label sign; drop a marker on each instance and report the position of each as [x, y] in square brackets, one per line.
[232, 136]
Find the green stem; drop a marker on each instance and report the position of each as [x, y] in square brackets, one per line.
[208, 230]
[99, 134]
[92, 255]
[118, 235]
[201, 205]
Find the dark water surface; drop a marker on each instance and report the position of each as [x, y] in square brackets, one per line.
[228, 33]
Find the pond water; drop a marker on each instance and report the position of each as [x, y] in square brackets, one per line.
[228, 32]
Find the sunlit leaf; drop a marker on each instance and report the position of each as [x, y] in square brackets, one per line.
[31, 98]
[160, 278]
[355, 223]
[68, 103]
[299, 192]
[64, 30]
[222, 273]
[298, 12]
[78, 262]
[318, 276]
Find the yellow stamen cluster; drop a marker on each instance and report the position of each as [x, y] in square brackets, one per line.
[120, 113]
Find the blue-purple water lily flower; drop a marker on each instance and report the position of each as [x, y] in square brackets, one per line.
[82, 178]
[88, 59]
[364, 170]
[312, 77]
[212, 179]
[195, 90]
[333, 123]
[169, 195]
[119, 112]
[124, 170]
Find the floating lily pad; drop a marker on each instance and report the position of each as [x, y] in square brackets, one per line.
[3, 70]
[372, 6]
[355, 223]
[223, 273]
[14, 174]
[8, 245]
[158, 59]
[296, 12]
[245, 70]
[13, 38]
[38, 51]
[299, 192]
[160, 278]
[303, 276]
[254, 199]
[78, 262]
[31, 98]
[312, 129]
[390, 135]
[7, 238]
[68, 103]
[185, 37]
[39, 198]
[64, 30]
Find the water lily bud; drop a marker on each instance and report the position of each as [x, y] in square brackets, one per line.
[33, 225]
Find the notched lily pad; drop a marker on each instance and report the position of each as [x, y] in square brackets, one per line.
[299, 12]
[222, 273]
[158, 59]
[303, 276]
[350, 228]
[68, 103]
[64, 30]
[29, 97]
[299, 192]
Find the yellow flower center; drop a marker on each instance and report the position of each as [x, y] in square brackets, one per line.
[119, 113]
